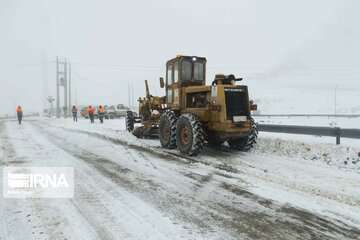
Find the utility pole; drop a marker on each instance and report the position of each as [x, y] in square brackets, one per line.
[65, 90]
[61, 81]
[132, 97]
[76, 97]
[335, 100]
[129, 96]
[69, 87]
[57, 89]
[44, 74]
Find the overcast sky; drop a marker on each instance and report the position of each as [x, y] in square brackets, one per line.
[277, 43]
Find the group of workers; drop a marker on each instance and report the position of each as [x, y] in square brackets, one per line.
[91, 110]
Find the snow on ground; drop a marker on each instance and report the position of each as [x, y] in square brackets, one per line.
[312, 148]
[345, 155]
[129, 188]
[343, 122]
[100, 210]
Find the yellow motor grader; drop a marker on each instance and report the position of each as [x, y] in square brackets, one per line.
[150, 109]
[192, 113]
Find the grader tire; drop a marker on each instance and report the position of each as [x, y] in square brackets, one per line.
[129, 121]
[190, 135]
[246, 143]
[167, 129]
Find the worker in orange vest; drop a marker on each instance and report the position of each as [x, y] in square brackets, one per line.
[91, 111]
[19, 113]
[101, 112]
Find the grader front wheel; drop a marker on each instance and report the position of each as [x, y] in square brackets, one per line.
[167, 129]
[129, 121]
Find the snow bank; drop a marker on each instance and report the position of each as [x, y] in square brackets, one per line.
[341, 156]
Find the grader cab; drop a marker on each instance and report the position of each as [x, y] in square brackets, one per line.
[192, 113]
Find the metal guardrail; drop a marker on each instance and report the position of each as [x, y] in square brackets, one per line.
[311, 130]
[309, 115]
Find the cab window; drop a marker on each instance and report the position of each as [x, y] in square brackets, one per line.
[170, 79]
[176, 72]
[169, 95]
[199, 71]
[186, 71]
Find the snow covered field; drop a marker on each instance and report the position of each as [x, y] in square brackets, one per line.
[126, 188]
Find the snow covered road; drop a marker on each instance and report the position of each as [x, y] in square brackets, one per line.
[127, 188]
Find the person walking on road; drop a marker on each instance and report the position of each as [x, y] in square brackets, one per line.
[19, 113]
[74, 111]
[91, 111]
[101, 112]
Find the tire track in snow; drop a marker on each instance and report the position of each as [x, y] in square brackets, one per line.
[34, 218]
[9, 209]
[277, 220]
[136, 183]
[111, 212]
[168, 155]
[7, 148]
[220, 160]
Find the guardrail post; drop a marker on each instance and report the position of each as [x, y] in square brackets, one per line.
[338, 134]
[337, 139]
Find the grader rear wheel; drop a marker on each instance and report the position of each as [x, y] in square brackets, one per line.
[245, 143]
[190, 136]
